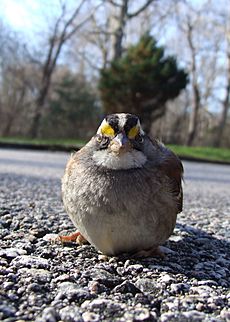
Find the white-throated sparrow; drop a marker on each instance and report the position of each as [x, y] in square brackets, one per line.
[122, 190]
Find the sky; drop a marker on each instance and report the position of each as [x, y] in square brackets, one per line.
[20, 14]
[27, 16]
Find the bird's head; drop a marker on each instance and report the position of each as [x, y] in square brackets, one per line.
[119, 142]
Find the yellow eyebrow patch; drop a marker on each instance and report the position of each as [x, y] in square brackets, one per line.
[106, 129]
[133, 132]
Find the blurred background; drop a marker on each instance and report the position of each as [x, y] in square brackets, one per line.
[64, 64]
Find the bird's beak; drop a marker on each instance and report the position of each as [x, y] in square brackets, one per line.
[120, 144]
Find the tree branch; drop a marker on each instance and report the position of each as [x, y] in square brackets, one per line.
[65, 36]
[69, 35]
[136, 13]
[115, 4]
[89, 61]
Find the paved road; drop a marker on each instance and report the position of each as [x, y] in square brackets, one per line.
[51, 164]
[33, 163]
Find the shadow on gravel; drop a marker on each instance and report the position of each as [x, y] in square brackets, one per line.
[196, 254]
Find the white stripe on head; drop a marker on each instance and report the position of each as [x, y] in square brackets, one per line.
[122, 119]
[139, 125]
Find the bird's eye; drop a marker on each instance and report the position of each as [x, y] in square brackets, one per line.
[99, 138]
[139, 138]
[103, 141]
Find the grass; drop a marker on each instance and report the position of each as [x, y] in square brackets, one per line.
[64, 142]
[208, 153]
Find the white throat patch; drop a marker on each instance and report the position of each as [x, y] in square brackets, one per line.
[128, 160]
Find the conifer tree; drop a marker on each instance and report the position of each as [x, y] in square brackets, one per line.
[142, 81]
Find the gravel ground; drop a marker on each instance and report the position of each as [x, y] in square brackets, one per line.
[41, 281]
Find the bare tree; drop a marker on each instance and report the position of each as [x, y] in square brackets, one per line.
[225, 31]
[64, 28]
[121, 17]
[105, 35]
[225, 108]
[199, 52]
[187, 22]
[15, 83]
[196, 104]
[97, 42]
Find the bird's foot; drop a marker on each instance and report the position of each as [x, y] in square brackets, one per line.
[75, 237]
[152, 252]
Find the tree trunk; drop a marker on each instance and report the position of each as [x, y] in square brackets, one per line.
[119, 33]
[194, 116]
[124, 15]
[195, 88]
[224, 114]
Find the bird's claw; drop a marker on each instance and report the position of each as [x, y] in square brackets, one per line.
[75, 237]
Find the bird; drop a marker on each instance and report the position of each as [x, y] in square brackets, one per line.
[123, 189]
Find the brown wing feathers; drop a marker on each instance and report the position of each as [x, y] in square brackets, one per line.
[173, 168]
